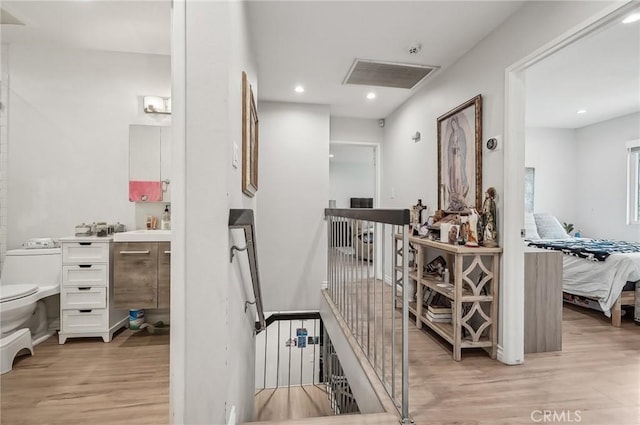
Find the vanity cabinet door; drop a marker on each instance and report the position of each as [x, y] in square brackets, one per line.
[135, 275]
[164, 274]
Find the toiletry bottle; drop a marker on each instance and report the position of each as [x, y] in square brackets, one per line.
[165, 223]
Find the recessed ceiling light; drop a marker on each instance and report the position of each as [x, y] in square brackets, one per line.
[330, 155]
[582, 111]
[371, 95]
[299, 89]
[631, 18]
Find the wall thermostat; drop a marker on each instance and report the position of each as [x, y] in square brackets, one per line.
[492, 143]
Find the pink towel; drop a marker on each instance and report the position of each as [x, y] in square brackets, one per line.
[145, 191]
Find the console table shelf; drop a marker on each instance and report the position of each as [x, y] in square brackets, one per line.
[473, 292]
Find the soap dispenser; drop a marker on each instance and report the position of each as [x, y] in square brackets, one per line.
[165, 223]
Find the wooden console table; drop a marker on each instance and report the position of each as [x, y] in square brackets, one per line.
[473, 293]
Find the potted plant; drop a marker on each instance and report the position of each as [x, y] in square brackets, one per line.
[568, 227]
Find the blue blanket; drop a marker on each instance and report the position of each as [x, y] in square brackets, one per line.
[590, 249]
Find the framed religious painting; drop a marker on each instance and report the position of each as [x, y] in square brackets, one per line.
[249, 139]
[460, 157]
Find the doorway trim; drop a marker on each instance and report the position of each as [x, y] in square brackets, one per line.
[377, 148]
[177, 337]
[512, 349]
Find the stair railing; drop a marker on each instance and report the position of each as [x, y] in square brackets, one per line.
[243, 219]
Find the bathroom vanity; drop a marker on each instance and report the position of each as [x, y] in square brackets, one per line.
[142, 269]
[87, 291]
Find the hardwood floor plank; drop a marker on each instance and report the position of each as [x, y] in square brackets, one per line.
[87, 381]
[297, 402]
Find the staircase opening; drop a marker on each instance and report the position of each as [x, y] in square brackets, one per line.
[298, 372]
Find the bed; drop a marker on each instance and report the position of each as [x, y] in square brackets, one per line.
[597, 274]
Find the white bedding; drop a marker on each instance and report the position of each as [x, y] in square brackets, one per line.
[602, 280]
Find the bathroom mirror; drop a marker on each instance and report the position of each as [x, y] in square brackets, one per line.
[149, 163]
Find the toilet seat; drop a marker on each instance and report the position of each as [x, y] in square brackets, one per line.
[14, 292]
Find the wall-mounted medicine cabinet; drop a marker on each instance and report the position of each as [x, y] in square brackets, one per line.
[149, 163]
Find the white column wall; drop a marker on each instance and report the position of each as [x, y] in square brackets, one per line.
[4, 148]
[213, 348]
[294, 190]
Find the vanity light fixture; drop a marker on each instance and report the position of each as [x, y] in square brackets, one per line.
[582, 111]
[157, 105]
[631, 18]
[299, 89]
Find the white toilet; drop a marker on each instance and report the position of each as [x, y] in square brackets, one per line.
[29, 306]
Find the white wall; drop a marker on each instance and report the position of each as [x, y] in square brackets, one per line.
[287, 365]
[350, 179]
[4, 148]
[213, 348]
[294, 190]
[553, 153]
[410, 169]
[601, 160]
[345, 129]
[69, 136]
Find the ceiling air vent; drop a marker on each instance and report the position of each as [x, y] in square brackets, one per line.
[387, 74]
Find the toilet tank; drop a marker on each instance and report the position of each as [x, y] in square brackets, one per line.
[35, 266]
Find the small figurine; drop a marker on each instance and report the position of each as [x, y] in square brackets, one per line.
[489, 221]
[472, 239]
[416, 216]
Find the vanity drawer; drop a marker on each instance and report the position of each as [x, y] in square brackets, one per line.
[85, 252]
[85, 275]
[84, 320]
[83, 297]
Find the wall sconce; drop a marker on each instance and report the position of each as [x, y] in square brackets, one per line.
[157, 105]
[416, 137]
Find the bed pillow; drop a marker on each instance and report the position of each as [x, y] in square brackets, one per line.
[530, 228]
[549, 227]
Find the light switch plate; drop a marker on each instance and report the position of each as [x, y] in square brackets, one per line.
[235, 159]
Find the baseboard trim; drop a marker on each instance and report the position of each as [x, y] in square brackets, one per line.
[500, 356]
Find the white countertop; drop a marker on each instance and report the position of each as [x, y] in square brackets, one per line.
[86, 239]
[143, 236]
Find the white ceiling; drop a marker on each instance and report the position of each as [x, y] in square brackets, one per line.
[600, 74]
[122, 26]
[315, 43]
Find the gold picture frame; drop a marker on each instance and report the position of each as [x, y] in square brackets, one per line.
[459, 161]
[249, 139]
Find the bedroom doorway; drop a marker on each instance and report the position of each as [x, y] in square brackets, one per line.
[353, 175]
[514, 168]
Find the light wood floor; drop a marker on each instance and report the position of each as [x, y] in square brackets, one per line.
[86, 381]
[597, 374]
[297, 402]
